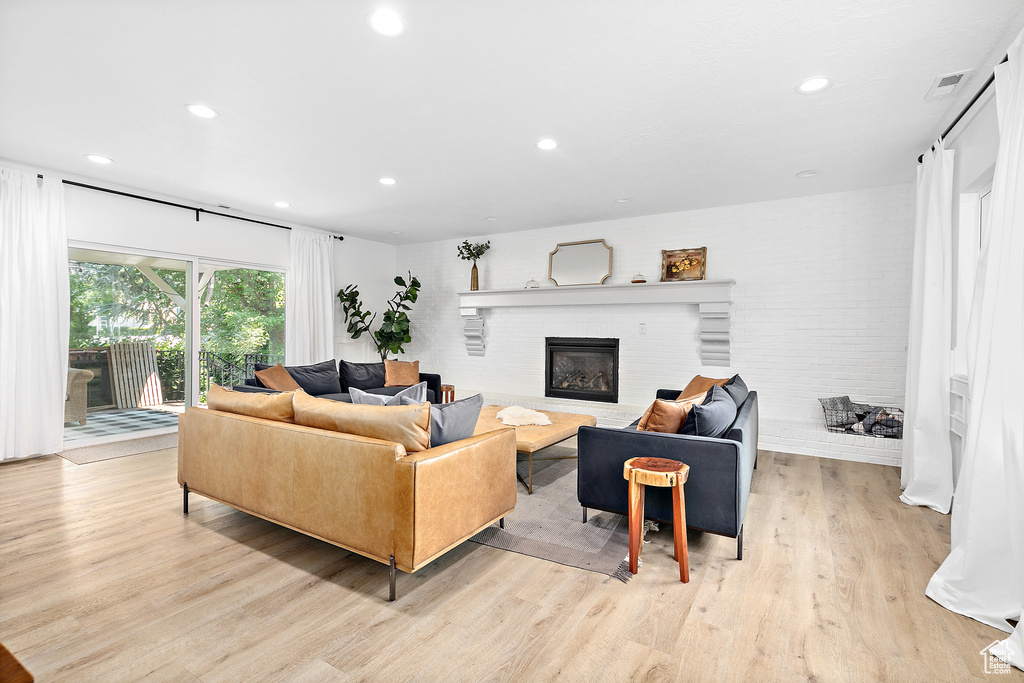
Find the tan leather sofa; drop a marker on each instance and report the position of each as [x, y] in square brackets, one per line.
[363, 494]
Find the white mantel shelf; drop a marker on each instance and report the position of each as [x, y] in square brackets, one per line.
[712, 297]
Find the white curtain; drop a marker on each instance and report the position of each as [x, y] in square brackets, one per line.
[927, 474]
[34, 315]
[983, 577]
[309, 299]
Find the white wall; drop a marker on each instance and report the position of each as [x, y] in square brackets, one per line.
[371, 267]
[821, 309]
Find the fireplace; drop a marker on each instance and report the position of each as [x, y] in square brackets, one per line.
[584, 368]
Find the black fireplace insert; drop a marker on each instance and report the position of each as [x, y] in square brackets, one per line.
[585, 368]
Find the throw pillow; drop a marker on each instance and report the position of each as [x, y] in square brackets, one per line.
[667, 416]
[452, 421]
[417, 392]
[277, 378]
[400, 373]
[361, 375]
[698, 385]
[268, 406]
[737, 389]
[405, 425]
[713, 416]
[316, 379]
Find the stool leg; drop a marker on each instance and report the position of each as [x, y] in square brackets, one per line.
[679, 532]
[636, 522]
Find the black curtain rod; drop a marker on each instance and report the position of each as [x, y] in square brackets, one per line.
[963, 112]
[196, 209]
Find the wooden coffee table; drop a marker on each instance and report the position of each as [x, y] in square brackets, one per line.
[532, 438]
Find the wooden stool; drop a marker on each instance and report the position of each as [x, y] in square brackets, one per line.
[657, 472]
[447, 393]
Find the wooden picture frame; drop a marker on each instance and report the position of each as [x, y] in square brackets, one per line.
[678, 265]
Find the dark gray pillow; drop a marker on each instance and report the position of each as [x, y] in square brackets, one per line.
[316, 379]
[360, 375]
[737, 389]
[713, 416]
[452, 421]
[417, 393]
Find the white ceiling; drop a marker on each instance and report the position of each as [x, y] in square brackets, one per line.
[674, 105]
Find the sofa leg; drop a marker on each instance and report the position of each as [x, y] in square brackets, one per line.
[755, 460]
[584, 515]
[501, 523]
[184, 497]
[391, 597]
[739, 544]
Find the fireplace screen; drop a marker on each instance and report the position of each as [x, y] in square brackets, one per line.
[583, 368]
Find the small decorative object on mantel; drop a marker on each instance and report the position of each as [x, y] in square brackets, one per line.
[471, 252]
[683, 264]
[638, 279]
[531, 284]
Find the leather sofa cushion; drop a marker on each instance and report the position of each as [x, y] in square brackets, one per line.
[277, 378]
[316, 379]
[667, 416]
[405, 425]
[713, 416]
[268, 406]
[361, 375]
[699, 385]
[399, 373]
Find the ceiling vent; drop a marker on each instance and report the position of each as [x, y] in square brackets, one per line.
[947, 85]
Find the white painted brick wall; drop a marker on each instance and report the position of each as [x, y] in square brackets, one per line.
[821, 309]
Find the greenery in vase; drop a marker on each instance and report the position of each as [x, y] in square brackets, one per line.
[471, 252]
[394, 329]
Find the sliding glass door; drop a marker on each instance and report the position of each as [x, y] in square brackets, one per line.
[129, 351]
[241, 322]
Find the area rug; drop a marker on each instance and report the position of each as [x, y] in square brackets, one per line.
[549, 524]
[119, 449]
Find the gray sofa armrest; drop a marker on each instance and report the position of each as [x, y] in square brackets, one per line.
[433, 384]
[712, 492]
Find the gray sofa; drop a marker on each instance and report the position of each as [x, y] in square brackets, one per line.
[720, 471]
[325, 380]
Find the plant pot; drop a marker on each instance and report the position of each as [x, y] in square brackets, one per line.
[474, 282]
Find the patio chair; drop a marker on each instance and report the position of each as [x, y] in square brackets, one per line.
[78, 395]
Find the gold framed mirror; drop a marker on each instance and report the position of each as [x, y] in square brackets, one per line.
[580, 263]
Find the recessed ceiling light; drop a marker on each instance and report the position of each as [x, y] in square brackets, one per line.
[814, 85]
[396, 232]
[491, 218]
[97, 159]
[546, 143]
[202, 111]
[809, 173]
[388, 181]
[282, 205]
[623, 200]
[386, 22]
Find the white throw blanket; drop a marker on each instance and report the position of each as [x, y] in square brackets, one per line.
[514, 416]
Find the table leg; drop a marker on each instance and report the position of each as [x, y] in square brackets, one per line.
[682, 555]
[636, 522]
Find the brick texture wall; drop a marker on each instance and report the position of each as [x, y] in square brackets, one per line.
[821, 309]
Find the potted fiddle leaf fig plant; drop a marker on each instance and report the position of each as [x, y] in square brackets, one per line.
[393, 333]
[471, 252]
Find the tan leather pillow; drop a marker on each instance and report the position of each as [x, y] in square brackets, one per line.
[407, 425]
[668, 416]
[700, 385]
[277, 378]
[268, 406]
[400, 373]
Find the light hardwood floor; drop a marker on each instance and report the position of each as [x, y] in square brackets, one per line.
[103, 579]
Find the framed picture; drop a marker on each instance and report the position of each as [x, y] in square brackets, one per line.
[683, 264]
